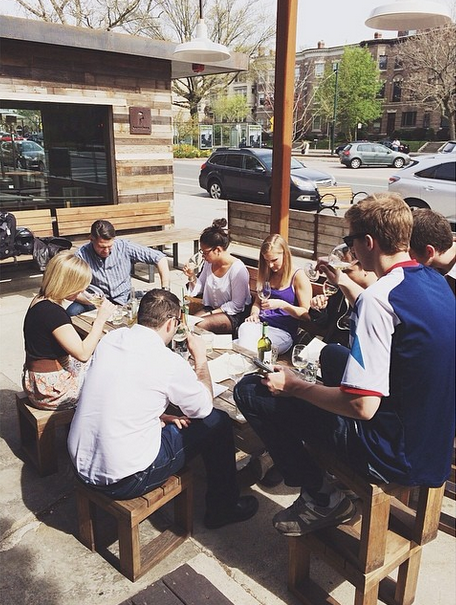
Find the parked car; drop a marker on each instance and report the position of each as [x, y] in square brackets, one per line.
[27, 155]
[429, 182]
[245, 174]
[402, 148]
[449, 147]
[360, 154]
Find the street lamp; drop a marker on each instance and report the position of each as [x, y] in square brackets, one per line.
[403, 15]
[333, 126]
[201, 50]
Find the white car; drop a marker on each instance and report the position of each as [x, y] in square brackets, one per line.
[429, 182]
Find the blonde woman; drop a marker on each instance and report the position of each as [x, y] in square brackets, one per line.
[289, 302]
[55, 354]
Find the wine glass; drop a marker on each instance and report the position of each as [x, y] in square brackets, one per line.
[311, 271]
[329, 289]
[264, 292]
[195, 262]
[338, 257]
[299, 357]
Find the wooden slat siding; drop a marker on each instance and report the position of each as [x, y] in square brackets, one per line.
[249, 225]
[77, 221]
[38, 221]
[116, 81]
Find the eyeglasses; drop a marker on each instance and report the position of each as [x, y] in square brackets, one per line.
[349, 239]
[176, 319]
[204, 252]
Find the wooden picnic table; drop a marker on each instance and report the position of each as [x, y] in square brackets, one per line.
[83, 324]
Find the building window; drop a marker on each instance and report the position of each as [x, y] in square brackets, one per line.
[396, 97]
[397, 63]
[426, 119]
[316, 123]
[381, 92]
[383, 62]
[319, 70]
[408, 118]
[261, 98]
[240, 90]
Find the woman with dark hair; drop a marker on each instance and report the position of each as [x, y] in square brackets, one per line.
[223, 282]
[55, 355]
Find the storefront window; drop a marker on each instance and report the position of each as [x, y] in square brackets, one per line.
[54, 155]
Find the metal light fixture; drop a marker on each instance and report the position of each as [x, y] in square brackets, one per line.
[405, 15]
[201, 50]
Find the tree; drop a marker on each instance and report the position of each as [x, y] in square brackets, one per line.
[429, 59]
[358, 86]
[232, 109]
[244, 26]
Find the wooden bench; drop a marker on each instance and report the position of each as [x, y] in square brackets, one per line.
[385, 535]
[336, 197]
[139, 222]
[310, 234]
[135, 560]
[40, 222]
[37, 433]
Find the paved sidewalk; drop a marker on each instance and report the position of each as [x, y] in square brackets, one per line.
[43, 563]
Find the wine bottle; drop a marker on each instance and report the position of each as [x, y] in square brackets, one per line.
[265, 346]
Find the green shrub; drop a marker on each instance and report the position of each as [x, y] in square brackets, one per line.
[189, 151]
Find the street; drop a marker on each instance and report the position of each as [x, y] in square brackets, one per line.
[371, 180]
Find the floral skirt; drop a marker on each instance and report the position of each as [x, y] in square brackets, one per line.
[55, 390]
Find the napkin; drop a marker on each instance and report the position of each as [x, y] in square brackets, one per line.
[218, 368]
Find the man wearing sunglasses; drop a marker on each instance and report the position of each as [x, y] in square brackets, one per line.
[122, 441]
[392, 415]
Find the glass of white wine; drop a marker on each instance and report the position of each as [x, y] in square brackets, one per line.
[329, 289]
[264, 291]
[311, 271]
[195, 262]
[299, 357]
[338, 257]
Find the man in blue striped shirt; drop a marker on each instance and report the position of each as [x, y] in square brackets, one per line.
[110, 259]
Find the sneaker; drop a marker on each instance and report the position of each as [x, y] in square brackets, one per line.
[245, 508]
[305, 515]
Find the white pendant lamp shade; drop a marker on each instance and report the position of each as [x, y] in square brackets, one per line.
[201, 49]
[404, 15]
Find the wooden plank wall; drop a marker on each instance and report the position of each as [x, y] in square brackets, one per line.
[143, 164]
[313, 234]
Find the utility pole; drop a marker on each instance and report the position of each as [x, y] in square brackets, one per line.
[333, 127]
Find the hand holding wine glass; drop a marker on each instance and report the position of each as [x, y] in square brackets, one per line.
[310, 269]
[339, 257]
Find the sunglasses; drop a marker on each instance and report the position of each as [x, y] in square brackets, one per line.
[349, 239]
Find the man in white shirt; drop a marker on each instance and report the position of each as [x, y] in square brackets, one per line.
[432, 243]
[121, 440]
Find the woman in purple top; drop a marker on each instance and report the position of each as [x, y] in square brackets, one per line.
[289, 302]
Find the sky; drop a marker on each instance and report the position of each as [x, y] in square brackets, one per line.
[335, 22]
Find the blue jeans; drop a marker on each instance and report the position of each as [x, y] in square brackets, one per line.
[76, 308]
[285, 425]
[212, 437]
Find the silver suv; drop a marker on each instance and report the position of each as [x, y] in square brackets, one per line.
[355, 155]
[429, 182]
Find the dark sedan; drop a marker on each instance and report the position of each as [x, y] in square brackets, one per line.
[245, 174]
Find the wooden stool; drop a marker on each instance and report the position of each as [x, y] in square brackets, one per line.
[37, 433]
[447, 522]
[136, 560]
[384, 535]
